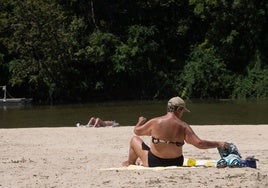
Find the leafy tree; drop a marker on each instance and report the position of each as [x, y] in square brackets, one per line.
[205, 75]
[86, 50]
[235, 28]
[97, 72]
[133, 59]
[254, 84]
[44, 40]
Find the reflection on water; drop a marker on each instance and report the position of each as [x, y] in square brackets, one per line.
[127, 113]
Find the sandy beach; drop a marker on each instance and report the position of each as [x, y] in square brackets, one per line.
[82, 157]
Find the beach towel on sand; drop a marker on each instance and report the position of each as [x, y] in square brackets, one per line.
[199, 163]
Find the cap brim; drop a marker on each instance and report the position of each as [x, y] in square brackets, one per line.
[187, 110]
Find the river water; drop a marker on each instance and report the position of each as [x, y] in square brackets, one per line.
[204, 112]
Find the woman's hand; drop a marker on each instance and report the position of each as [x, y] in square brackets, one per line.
[224, 145]
[141, 120]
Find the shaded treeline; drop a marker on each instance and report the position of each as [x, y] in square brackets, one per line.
[79, 50]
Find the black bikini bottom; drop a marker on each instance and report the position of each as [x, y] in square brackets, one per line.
[154, 161]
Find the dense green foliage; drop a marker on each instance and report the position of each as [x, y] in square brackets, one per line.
[67, 51]
[205, 75]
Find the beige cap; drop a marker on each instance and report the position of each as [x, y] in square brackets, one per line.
[177, 101]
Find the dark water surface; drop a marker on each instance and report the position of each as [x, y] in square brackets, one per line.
[127, 113]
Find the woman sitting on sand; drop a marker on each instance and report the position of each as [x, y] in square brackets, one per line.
[168, 134]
